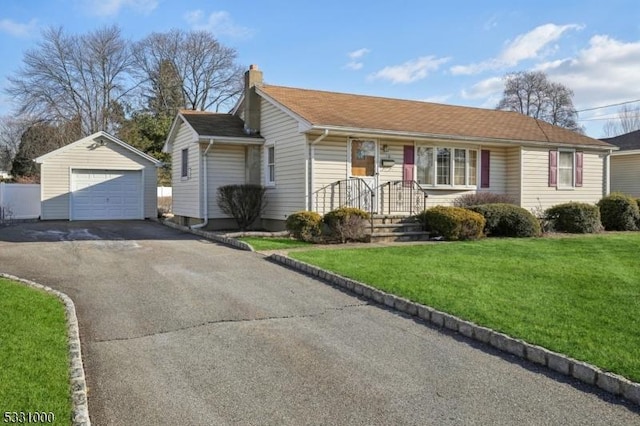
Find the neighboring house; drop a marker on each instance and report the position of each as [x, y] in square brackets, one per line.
[316, 150]
[98, 178]
[625, 164]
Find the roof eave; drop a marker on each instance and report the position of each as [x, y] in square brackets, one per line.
[231, 139]
[435, 136]
[626, 152]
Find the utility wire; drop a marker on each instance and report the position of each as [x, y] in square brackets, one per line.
[608, 106]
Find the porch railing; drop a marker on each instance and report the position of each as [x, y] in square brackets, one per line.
[354, 192]
[402, 196]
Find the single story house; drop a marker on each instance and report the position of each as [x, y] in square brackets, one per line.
[625, 163]
[98, 177]
[317, 150]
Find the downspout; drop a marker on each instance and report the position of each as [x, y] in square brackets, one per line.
[607, 166]
[205, 222]
[310, 171]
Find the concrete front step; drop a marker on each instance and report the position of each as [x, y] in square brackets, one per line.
[397, 227]
[388, 219]
[399, 236]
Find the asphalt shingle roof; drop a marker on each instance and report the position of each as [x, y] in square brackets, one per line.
[216, 124]
[626, 142]
[322, 108]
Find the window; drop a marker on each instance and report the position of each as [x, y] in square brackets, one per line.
[565, 168]
[447, 166]
[184, 170]
[271, 165]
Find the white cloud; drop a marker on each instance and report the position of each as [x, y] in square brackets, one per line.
[488, 88]
[436, 99]
[113, 7]
[410, 71]
[219, 23]
[535, 44]
[604, 72]
[17, 29]
[354, 63]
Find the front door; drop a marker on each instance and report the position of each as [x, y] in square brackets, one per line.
[363, 160]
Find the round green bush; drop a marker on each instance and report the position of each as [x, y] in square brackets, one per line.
[347, 224]
[453, 223]
[304, 225]
[479, 198]
[508, 220]
[619, 212]
[575, 218]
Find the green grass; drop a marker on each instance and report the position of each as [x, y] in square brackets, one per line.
[577, 295]
[268, 243]
[34, 360]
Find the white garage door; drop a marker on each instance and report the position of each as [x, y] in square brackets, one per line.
[106, 194]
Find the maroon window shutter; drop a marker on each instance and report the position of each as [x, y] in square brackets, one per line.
[579, 162]
[485, 168]
[409, 161]
[553, 168]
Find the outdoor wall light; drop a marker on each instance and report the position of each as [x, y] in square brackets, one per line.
[385, 148]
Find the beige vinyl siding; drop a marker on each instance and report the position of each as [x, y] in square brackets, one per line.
[497, 170]
[625, 174]
[330, 161]
[513, 176]
[536, 192]
[396, 153]
[186, 191]
[225, 166]
[56, 175]
[288, 193]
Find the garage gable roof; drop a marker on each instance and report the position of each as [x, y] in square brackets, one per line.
[98, 137]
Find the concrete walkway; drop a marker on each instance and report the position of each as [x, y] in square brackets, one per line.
[179, 330]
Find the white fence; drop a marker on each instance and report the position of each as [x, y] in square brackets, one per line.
[19, 201]
[164, 191]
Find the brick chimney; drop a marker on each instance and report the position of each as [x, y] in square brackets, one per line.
[252, 78]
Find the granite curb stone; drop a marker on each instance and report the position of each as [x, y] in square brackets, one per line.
[79, 404]
[581, 371]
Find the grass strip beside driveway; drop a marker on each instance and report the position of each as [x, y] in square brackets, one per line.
[34, 358]
[269, 243]
[576, 295]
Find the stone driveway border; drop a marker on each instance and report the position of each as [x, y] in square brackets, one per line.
[79, 405]
[560, 363]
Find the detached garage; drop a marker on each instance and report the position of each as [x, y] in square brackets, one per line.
[98, 178]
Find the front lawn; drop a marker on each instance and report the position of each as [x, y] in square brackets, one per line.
[269, 243]
[576, 295]
[34, 359]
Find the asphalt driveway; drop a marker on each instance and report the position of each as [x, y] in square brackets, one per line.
[179, 330]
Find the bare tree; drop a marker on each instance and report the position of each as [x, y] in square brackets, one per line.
[207, 70]
[68, 77]
[628, 120]
[11, 130]
[532, 94]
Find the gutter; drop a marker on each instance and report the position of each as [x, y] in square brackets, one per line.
[432, 136]
[310, 170]
[205, 222]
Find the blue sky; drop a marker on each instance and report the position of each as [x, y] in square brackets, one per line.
[453, 52]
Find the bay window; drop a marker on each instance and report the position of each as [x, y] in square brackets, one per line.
[445, 166]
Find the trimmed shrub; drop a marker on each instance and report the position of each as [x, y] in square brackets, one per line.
[304, 225]
[242, 202]
[508, 220]
[347, 224]
[453, 223]
[575, 218]
[480, 198]
[619, 212]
